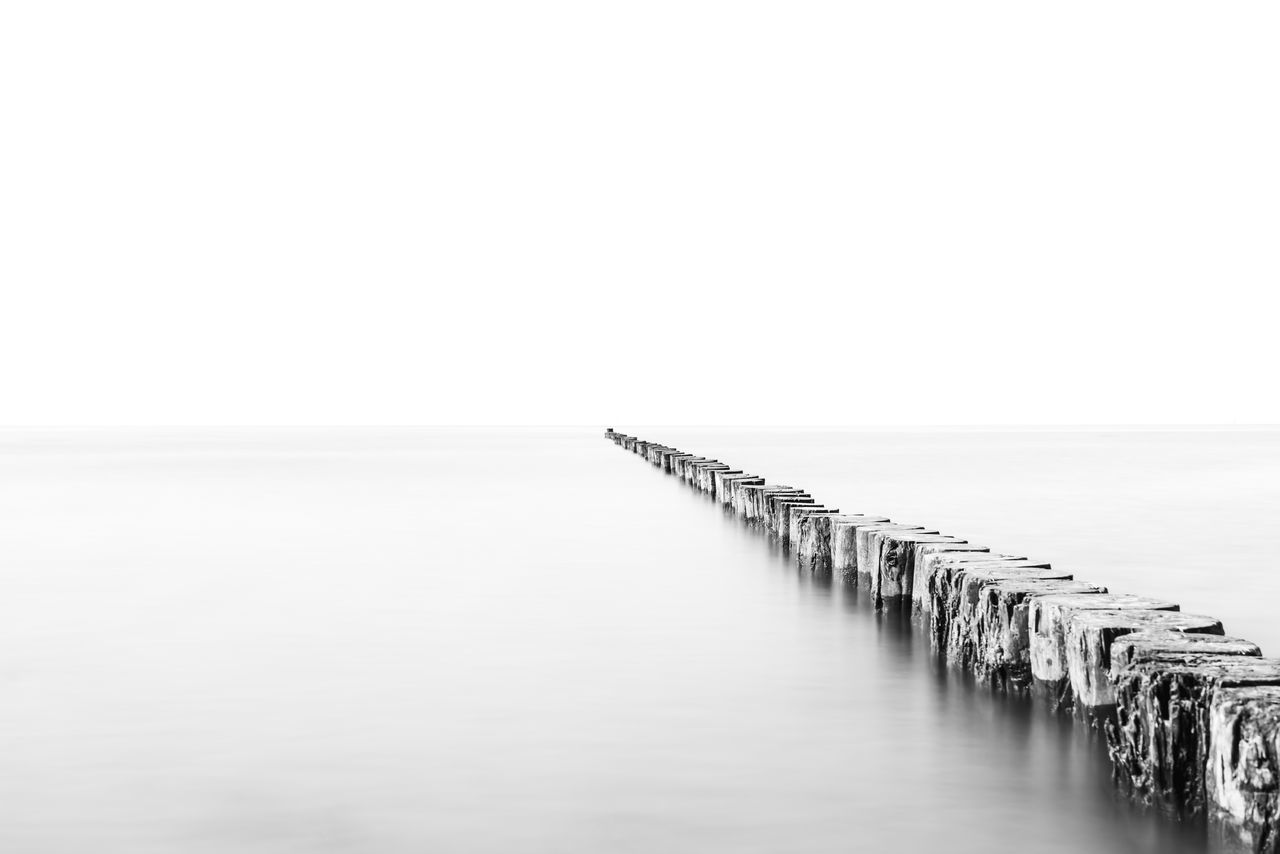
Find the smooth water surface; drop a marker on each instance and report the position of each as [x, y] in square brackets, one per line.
[532, 641]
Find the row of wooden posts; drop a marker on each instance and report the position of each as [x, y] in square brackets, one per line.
[1191, 716]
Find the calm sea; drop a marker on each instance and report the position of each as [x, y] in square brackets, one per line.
[531, 641]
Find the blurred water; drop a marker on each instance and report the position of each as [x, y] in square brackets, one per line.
[530, 640]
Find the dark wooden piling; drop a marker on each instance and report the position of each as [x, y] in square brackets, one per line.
[1242, 766]
[1159, 738]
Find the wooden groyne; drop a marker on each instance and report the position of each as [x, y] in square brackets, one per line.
[1191, 716]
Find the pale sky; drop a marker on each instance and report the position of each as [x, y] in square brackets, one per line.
[625, 214]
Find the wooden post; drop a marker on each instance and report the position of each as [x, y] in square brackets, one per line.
[933, 557]
[1132, 737]
[920, 553]
[775, 504]
[705, 480]
[1048, 616]
[1002, 637]
[799, 516]
[756, 500]
[844, 545]
[1137, 647]
[693, 467]
[962, 604]
[682, 464]
[1088, 640]
[892, 569]
[817, 534]
[866, 540]
[718, 483]
[945, 579]
[1242, 785]
[1159, 739]
[728, 492]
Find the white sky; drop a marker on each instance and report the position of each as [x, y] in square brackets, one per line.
[597, 212]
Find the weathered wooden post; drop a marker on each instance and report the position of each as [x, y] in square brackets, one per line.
[815, 548]
[705, 481]
[1133, 738]
[962, 604]
[759, 510]
[727, 491]
[865, 540]
[932, 557]
[892, 569]
[754, 498]
[920, 554]
[689, 466]
[1001, 629]
[670, 462]
[945, 577]
[1048, 617]
[743, 496]
[676, 461]
[693, 470]
[1088, 641]
[680, 462]
[798, 516]
[774, 505]
[1159, 738]
[720, 484]
[780, 513]
[1242, 785]
[1149, 644]
[844, 542]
